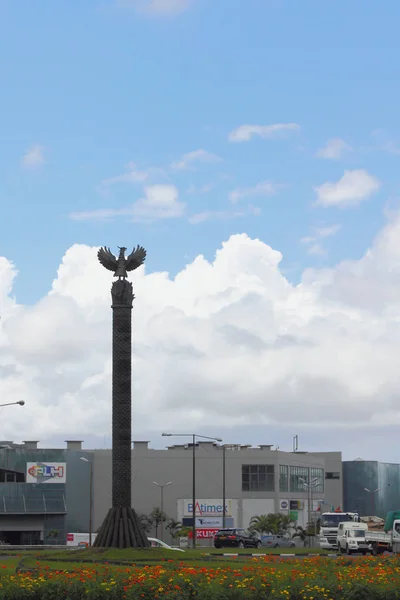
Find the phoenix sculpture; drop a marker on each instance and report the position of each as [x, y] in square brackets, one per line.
[121, 265]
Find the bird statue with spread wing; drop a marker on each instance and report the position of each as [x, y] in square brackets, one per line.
[121, 265]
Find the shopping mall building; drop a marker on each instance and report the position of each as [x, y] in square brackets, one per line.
[45, 493]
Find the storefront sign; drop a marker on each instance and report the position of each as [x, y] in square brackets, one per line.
[284, 505]
[49, 472]
[203, 522]
[207, 508]
[205, 534]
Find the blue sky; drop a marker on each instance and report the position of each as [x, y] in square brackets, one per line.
[89, 88]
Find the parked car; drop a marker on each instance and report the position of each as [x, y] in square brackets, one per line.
[277, 541]
[155, 543]
[237, 538]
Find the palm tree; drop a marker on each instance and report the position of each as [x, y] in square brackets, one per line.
[174, 527]
[157, 516]
[146, 522]
[262, 524]
[273, 523]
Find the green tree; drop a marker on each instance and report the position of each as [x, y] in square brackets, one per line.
[53, 535]
[174, 527]
[157, 516]
[146, 522]
[273, 523]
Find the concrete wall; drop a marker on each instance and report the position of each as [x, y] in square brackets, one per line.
[333, 493]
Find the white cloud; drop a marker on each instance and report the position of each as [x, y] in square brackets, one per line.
[334, 149]
[352, 189]
[159, 202]
[326, 351]
[156, 7]
[314, 241]
[264, 188]
[222, 215]
[34, 157]
[244, 133]
[187, 160]
[132, 175]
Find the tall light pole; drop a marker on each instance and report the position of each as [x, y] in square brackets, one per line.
[162, 486]
[20, 402]
[193, 436]
[90, 463]
[372, 494]
[310, 487]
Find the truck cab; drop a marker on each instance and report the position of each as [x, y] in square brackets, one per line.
[329, 523]
[351, 538]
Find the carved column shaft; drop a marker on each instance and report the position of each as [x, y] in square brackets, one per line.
[122, 298]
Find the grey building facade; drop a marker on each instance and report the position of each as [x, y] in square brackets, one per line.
[382, 480]
[259, 480]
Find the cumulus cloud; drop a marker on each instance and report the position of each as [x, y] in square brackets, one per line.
[244, 133]
[227, 342]
[188, 160]
[334, 149]
[351, 189]
[34, 157]
[159, 202]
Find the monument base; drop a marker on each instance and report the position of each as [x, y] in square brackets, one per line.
[121, 529]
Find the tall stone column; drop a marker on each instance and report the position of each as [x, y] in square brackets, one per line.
[121, 527]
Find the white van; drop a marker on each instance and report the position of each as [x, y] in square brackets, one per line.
[80, 539]
[351, 538]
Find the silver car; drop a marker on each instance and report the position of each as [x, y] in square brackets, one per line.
[277, 541]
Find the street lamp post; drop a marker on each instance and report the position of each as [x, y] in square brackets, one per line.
[310, 487]
[372, 495]
[162, 486]
[224, 486]
[20, 402]
[193, 436]
[90, 463]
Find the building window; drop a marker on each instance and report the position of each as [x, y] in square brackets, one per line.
[318, 475]
[11, 476]
[298, 477]
[332, 475]
[283, 478]
[258, 478]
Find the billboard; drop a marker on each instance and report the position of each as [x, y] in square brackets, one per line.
[212, 522]
[46, 472]
[207, 508]
[205, 534]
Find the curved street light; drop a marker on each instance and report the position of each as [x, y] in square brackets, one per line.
[20, 402]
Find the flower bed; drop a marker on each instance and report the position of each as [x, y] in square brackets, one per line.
[309, 579]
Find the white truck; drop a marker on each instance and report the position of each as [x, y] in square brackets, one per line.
[387, 540]
[351, 538]
[80, 539]
[329, 523]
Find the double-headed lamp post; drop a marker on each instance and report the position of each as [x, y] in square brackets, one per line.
[372, 494]
[310, 487]
[162, 486]
[193, 436]
[90, 463]
[20, 402]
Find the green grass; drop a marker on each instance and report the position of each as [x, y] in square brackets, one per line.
[71, 560]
